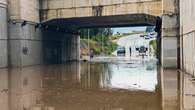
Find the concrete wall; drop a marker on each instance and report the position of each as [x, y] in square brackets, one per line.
[59, 47]
[25, 45]
[34, 46]
[25, 41]
[31, 45]
[3, 34]
[87, 3]
[170, 33]
[24, 10]
[70, 48]
[52, 9]
[187, 35]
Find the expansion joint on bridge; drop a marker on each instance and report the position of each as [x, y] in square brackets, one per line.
[170, 14]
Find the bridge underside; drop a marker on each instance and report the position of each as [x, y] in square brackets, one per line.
[104, 21]
[57, 40]
[26, 39]
[52, 43]
[60, 45]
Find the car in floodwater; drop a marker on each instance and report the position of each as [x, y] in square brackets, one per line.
[142, 50]
[141, 35]
[121, 51]
[152, 33]
[147, 37]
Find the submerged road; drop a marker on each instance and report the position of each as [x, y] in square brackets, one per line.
[96, 86]
[133, 41]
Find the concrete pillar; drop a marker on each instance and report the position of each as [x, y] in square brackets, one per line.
[71, 48]
[65, 55]
[75, 48]
[25, 41]
[187, 36]
[3, 34]
[66, 48]
[25, 44]
[170, 34]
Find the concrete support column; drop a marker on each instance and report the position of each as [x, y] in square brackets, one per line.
[71, 48]
[3, 34]
[65, 49]
[25, 41]
[170, 34]
[75, 48]
[25, 44]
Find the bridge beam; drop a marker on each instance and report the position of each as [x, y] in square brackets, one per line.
[54, 9]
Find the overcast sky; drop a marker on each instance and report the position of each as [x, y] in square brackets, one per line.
[128, 29]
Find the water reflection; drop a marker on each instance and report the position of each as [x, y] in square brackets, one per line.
[96, 86]
[136, 78]
[187, 93]
[118, 76]
[178, 90]
[4, 90]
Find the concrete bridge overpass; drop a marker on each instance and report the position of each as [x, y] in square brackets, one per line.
[82, 8]
[90, 13]
[25, 43]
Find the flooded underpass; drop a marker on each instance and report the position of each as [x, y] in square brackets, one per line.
[96, 86]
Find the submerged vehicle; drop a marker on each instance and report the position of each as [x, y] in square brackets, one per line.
[147, 37]
[121, 50]
[143, 50]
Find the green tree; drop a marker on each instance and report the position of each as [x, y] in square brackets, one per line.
[102, 38]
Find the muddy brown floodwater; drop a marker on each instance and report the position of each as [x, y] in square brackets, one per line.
[96, 86]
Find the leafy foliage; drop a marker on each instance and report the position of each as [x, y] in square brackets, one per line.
[153, 43]
[99, 40]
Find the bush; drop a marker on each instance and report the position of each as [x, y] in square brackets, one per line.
[108, 46]
[153, 43]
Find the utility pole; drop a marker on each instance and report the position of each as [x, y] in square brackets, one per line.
[88, 42]
[102, 41]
